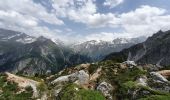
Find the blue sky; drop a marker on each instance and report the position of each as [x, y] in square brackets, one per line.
[82, 20]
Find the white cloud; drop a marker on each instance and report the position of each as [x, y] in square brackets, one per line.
[15, 18]
[112, 3]
[27, 16]
[107, 36]
[144, 20]
[82, 11]
[28, 7]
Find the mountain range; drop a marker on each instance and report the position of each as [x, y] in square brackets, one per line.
[20, 53]
[97, 50]
[155, 50]
[40, 68]
[24, 54]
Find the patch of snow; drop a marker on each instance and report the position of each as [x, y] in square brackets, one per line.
[26, 40]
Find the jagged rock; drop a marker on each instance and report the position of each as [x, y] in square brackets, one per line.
[130, 64]
[142, 81]
[80, 77]
[158, 77]
[105, 88]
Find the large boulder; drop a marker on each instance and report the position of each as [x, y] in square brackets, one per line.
[106, 90]
[130, 64]
[80, 77]
[158, 77]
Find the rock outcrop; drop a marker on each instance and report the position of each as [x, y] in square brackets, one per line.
[158, 77]
[80, 77]
[106, 89]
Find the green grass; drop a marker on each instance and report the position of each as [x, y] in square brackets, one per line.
[92, 68]
[10, 90]
[157, 97]
[70, 93]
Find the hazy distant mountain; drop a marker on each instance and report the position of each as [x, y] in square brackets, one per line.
[155, 50]
[99, 49]
[20, 53]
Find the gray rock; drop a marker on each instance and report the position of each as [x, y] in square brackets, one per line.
[80, 77]
[130, 64]
[158, 77]
[106, 89]
[142, 81]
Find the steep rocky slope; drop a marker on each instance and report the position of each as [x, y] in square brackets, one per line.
[155, 50]
[36, 57]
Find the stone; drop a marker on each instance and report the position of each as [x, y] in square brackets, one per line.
[130, 64]
[142, 81]
[158, 77]
[80, 77]
[106, 89]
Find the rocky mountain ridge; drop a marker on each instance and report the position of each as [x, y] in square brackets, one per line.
[36, 56]
[97, 50]
[155, 50]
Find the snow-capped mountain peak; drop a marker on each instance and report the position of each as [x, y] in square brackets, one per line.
[99, 48]
[13, 36]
